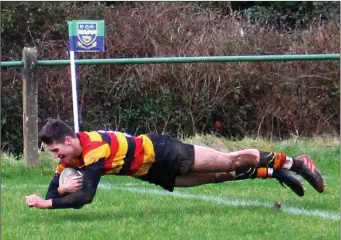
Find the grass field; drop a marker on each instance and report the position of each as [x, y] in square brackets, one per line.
[125, 208]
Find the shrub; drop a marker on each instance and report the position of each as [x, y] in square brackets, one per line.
[271, 99]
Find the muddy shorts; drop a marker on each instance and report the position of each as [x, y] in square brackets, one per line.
[172, 158]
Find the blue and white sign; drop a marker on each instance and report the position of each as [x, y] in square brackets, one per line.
[86, 35]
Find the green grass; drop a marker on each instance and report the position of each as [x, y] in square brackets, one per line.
[125, 208]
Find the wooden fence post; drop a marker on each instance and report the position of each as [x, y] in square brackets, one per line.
[30, 107]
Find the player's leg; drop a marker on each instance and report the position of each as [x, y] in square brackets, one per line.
[283, 176]
[196, 179]
[209, 160]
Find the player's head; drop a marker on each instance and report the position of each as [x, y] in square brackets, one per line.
[59, 138]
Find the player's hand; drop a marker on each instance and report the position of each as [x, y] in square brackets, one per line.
[72, 185]
[36, 201]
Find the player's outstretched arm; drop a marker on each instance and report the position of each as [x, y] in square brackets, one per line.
[37, 202]
[34, 200]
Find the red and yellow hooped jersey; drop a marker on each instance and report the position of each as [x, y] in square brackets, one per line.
[122, 154]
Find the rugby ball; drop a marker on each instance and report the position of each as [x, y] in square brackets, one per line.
[69, 173]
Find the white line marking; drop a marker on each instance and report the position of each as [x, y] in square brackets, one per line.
[23, 186]
[223, 201]
[132, 187]
[45, 186]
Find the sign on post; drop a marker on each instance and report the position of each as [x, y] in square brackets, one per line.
[84, 36]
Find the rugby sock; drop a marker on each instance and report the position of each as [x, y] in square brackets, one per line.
[252, 173]
[264, 173]
[275, 160]
[245, 173]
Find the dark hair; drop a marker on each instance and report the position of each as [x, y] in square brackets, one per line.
[55, 130]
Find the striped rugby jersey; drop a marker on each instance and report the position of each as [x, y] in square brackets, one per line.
[122, 154]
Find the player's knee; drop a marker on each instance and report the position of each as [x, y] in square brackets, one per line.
[245, 158]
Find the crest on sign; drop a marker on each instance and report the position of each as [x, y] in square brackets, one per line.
[87, 34]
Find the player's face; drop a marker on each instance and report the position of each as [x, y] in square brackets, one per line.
[64, 151]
